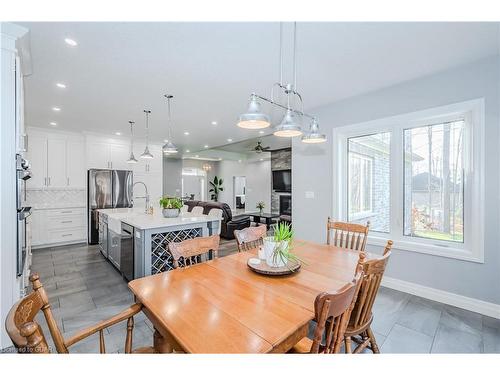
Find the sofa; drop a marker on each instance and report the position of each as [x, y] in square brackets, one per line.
[229, 223]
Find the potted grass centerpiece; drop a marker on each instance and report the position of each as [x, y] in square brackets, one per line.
[277, 248]
[171, 206]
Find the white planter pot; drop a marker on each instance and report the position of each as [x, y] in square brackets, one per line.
[269, 248]
[170, 212]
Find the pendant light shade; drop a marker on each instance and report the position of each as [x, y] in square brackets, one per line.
[146, 154]
[313, 135]
[131, 159]
[254, 118]
[289, 126]
[169, 148]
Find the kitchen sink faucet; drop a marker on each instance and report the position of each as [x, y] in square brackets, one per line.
[146, 210]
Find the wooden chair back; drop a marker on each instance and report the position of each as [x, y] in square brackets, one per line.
[332, 312]
[347, 235]
[250, 238]
[25, 333]
[373, 271]
[194, 251]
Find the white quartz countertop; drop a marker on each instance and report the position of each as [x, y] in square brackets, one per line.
[140, 220]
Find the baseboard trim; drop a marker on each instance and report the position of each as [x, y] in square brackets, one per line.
[467, 303]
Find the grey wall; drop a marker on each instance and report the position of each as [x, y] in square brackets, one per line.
[172, 172]
[313, 169]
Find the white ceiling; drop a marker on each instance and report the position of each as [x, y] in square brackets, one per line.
[119, 69]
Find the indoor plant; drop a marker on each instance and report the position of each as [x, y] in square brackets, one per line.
[261, 205]
[277, 247]
[216, 188]
[171, 206]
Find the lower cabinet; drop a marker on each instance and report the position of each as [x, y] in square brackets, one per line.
[58, 226]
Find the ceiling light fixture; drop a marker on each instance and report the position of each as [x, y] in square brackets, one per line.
[186, 133]
[290, 125]
[169, 147]
[229, 140]
[214, 122]
[206, 167]
[53, 123]
[56, 109]
[71, 42]
[313, 135]
[61, 85]
[147, 154]
[131, 159]
[118, 133]
[261, 132]
[187, 151]
[206, 146]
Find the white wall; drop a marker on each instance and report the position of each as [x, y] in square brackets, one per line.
[258, 182]
[313, 168]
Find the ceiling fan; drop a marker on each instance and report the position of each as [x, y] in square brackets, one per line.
[259, 148]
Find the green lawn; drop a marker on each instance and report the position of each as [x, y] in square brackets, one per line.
[457, 237]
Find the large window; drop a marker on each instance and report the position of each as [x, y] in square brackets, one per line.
[418, 179]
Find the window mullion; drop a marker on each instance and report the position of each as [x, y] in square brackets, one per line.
[397, 162]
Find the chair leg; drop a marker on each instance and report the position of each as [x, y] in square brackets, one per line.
[128, 339]
[347, 343]
[373, 342]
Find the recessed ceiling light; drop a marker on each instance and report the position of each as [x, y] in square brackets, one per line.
[261, 131]
[229, 140]
[214, 122]
[71, 42]
[165, 141]
[220, 159]
[239, 161]
[187, 151]
[261, 159]
[197, 156]
[61, 85]
[206, 146]
[118, 133]
[53, 123]
[186, 133]
[56, 109]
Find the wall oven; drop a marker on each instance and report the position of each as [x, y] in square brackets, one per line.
[23, 173]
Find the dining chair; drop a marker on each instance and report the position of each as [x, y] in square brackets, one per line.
[197, 210]
[332, 311]
[358, 329]
[347, 235]
[251, 237]
[216, 212]
[194, 251]
[184, 208]
[28, 337]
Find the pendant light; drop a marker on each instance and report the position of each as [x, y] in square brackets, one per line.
[169, 147]
[313, 135]
[254, 118]
[146, 154]
[131, 159]
[291, 123]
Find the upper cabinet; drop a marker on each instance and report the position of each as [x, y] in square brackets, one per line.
[57, 160]
[107, 155]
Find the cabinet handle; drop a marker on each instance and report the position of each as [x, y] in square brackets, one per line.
[66, 221]
[49, 181]
[67, 181]
[66, 212]
[45, 181]
[67, 235]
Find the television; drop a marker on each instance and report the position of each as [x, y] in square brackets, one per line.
[282, 181]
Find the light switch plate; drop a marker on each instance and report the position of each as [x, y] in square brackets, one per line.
[310, 194]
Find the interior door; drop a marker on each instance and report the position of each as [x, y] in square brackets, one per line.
[37, 156]
[56, 162]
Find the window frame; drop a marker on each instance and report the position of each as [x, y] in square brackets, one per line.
[472, 249]
[366, 213]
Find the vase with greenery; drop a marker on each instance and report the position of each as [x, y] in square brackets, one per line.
[277, 248]
[261, 205]
[171, 206]
[216, 188]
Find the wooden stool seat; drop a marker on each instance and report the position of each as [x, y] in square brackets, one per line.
[302, 347]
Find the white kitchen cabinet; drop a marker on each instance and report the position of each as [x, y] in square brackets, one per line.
[76, 173]
[104, 155]
[149, 171]
[56, 162]
[58, 226]
[37, 156]
[38, 228]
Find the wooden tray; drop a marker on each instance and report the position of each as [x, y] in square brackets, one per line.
[262, 268]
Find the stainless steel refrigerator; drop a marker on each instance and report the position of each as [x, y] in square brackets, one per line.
[106, 189]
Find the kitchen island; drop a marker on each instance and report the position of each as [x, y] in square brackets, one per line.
[137, 243]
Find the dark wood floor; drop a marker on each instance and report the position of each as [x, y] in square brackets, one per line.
[85, 288]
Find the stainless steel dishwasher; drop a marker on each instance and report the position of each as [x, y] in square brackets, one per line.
[127, 252]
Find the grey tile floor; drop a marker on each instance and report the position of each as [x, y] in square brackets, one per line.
[84, 288]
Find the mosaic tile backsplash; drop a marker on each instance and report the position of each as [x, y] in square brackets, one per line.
[56, 197]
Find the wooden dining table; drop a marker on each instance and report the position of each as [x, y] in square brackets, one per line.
[221, 306]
